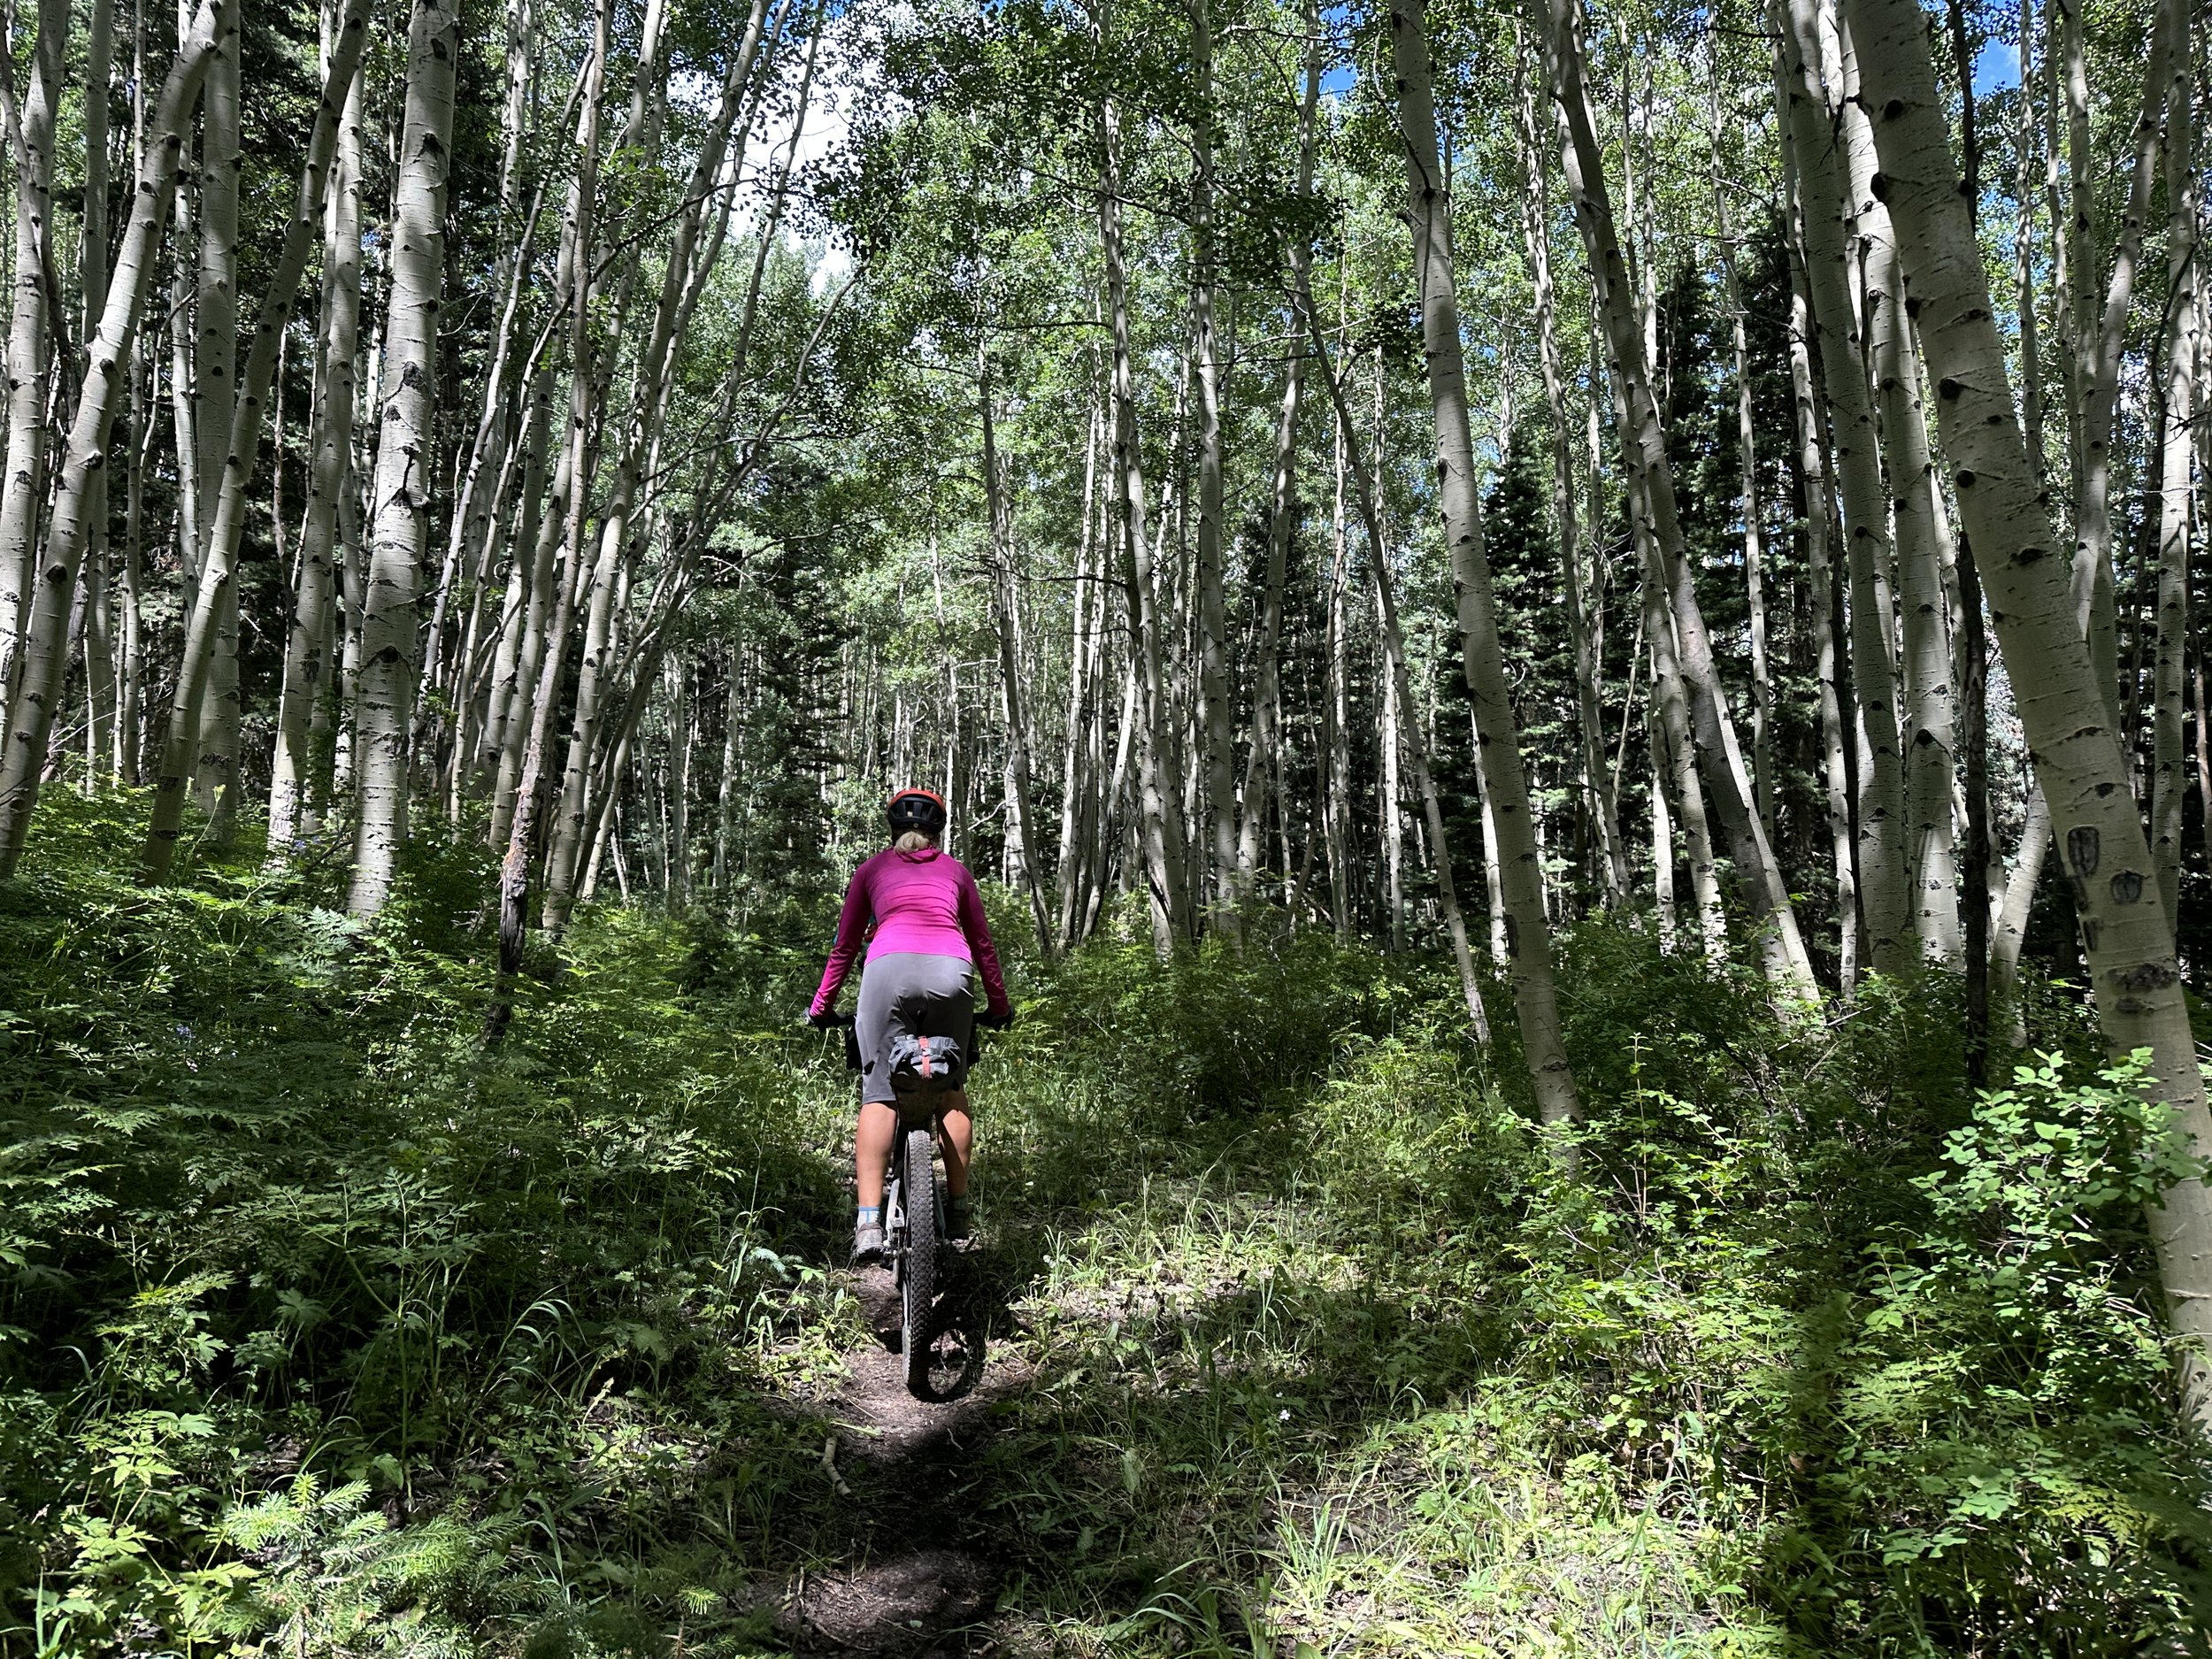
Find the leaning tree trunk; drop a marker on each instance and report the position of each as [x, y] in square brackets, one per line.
[405, 453]
[1398, 692]
[46, 644]
[1022, 826]
[1651, 479]
[217, 596]
[1528, 931]
[2082, 771]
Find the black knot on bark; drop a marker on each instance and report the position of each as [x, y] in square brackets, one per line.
[1948, 387]
[1894, 108]
[2127, 887]
[1879, 186]
[1964, 477]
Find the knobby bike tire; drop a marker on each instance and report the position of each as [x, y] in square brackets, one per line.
[920, 1180]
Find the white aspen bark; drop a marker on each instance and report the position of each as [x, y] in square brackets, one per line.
[1263, 763]
[1747, 445]
[1598, 795]
[1215, 706]
[30, 354]
[1928, 743]
[537, 548]
[2028, 157]
[1651, 481]
[1675, 756]
[1812, 118]
[101, 632]
[1161, 826]
[1021, 831]
[1343, 887]
[2084, 775]
[1075, 796]
[1528, 936]
[294, 800]
[46, 646]
[1389, 746]
[2010, 931]
[199, 674]
[2170, 780]
[2102, 339]
[406, 442]
[214, 365]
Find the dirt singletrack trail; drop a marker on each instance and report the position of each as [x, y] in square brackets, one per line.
[920, 1576]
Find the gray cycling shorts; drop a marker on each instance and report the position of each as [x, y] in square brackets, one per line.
[909, 991]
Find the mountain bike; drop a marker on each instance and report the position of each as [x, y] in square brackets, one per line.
[914, 1237]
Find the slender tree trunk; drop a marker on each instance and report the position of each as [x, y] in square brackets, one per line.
[46, 646]
[1002, 535]
[2103, 340]
[1930, 738]
[2134, 978]
[1598, 795]
[1812, 119]
[214, 396]
[199, 674]
[30, 353]
[1161, 815]
[1528, 936]
[2170, 778]
[1651, 496]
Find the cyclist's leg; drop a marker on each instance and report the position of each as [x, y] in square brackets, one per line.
[873, 1014]
[956, 1135]
[871, 1151]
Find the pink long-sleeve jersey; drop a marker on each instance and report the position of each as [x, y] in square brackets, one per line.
[925, 902]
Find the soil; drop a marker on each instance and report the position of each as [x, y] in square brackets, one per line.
[919, 1582]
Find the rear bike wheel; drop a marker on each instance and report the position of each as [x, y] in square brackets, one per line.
[920, 1182]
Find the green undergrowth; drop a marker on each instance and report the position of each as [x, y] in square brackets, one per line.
[325, 1331]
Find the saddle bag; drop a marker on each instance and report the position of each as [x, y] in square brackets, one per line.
[926, 1065]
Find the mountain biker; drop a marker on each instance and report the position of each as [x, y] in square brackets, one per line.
[927, 940]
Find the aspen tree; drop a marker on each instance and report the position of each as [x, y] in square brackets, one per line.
[46, 645]
[2134, 978]
[1160, 815]
[1216, 713]
[1283, 505]
[399, 497]
[1598, 792]
[2181, 342]
[216, 595]
[214, 367]
[1651, 495]
[1929, 739]
[1812, 118]
[29, 346]
[1535, 995]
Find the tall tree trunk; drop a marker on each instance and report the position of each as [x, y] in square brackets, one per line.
[1598, 795]
[1929, 742]
[46, 645]
[2170, 776]
[1217, 708]
[214, 396]
[199, 673]
[30, 355]
[2134, 978]
[1651, 495]
[1020, 827]
[406, 454]
[2103, 336]
[1812, 120]
[1528, 941]
[1161, 815]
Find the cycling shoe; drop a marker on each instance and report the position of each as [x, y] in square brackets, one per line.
[867, 1244]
